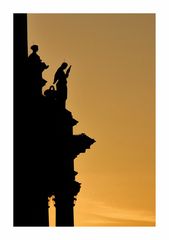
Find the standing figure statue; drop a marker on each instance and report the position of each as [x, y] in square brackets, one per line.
[60, 79]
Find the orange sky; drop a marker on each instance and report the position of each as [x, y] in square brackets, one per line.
[111, 92]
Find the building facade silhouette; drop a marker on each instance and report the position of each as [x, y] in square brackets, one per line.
[44, 144]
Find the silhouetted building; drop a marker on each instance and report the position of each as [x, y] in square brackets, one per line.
[44, 144]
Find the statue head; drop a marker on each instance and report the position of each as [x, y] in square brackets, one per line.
[34, 48]
[64, 65]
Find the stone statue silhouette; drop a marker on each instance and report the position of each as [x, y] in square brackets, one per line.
[60, 79]
[45, 146]
[35, 69]
[50, 93]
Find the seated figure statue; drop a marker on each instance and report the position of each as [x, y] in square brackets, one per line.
[35, 69]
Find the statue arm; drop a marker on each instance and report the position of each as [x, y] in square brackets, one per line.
[68, 71]
[55, 79]
[57, 76]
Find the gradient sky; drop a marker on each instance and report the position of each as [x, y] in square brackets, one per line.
[111, 92]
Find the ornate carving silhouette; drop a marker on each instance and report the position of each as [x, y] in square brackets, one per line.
[45, 146]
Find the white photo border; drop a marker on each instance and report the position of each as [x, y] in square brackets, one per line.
[6, 125]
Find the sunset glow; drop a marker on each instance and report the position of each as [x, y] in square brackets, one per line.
[111, 92]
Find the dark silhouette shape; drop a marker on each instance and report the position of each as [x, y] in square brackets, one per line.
[60, 79]
[50, 93]
[35, 68]
[44, 144]
[34, 59]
